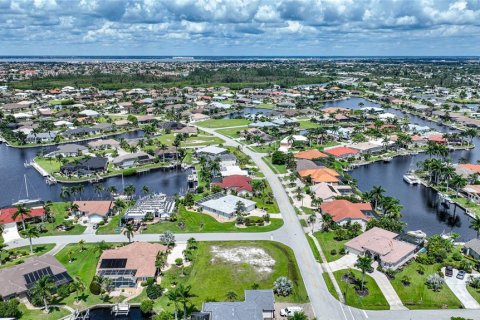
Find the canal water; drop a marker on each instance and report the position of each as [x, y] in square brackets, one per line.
[421, 205]
[13, 188]
[105, 314]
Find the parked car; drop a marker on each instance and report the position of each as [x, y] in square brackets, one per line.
[449, 271]
[290, 311]
[95, 226]
[460, 274]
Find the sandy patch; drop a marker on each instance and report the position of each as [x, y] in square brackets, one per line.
[258, 258]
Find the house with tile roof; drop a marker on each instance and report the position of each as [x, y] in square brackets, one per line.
[310, 154]
[341, 152]
[343, 211]
[238, 183]
[383, 246]
[321, 174]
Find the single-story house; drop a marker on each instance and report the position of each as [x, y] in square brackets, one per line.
[211, 151]
[467, 169]
[311, 154]
[341, 152]
[322, 174]
[258, 305]
[473, 192]
[230, 170]
[89, 113]
[169, 154]
[196, 117]
[18, 279]
[238, 183]
[158, 205]
[472, 248]
[224, 205]
[132, 159]
[328, 192]
[104, 144]
[7, 213]
[383, 246]
[88, 166]
[41, 137]
[96, 211]
[68, 150]
[129, 265]
[343, 211]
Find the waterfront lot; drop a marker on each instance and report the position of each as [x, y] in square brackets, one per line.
[223, 123]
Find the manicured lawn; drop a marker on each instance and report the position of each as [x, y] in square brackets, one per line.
[315, 251]
[330, 286]
[266, 148]
[265, 105]
[50, 165]
[211, 278]
[83, 266]
[233, 132]
[199, 222]
[373, 301]
[464, 202]
[276, 168]
[474, 292]
[112, 225]
[222, 123]
[59, 210]
[328, 243]
[417, 295]
[54, 314]
[201, 140]
[38, 250]
[308, 124]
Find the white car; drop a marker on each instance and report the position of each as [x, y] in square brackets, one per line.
[290, 311]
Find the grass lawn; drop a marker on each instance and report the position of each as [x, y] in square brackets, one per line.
[276, 168]
[233, 132]
[83, 266]
[328, 243]
[308, 124]
[59, 211]
[373, 301]
[265, 105]
[474, 292]
[223, 123]
[201, 140]
[265, 148]
[315, 251]
[464, 202]
[230, 276]
[50, 165]
[417, 295]
[330, 286]
[199, 222]
[54, 314]
[112, 224]
[38, 250]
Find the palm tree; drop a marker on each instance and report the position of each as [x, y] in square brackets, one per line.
[43, 288]
[129, 190]
[77, 286]
[458, 182]
[185, 296]
[475, 225]
[299, 316]
[65, 193]
[377, 194]
[128, 232]
[23, 212]
[163, 147]
[145, 189]
[312, 219]
[112, 190]
[30, 232]
[364, 263]
[81, 243]
[174, 296]
[2, 246]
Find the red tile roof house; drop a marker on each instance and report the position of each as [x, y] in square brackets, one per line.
[96, 211]
[7, 213]
[341, 152]
[240, 184]
[383, 246]
[343, 211]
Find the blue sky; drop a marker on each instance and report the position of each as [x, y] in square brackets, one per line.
[240, 27]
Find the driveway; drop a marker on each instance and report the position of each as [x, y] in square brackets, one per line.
[345, 262]
[459, 288]
[10, 232]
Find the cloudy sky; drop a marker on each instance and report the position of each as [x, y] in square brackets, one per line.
[240, 27]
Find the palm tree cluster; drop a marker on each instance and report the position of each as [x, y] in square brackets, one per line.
[389, 206]
[181, 295]
[439, 172]
[209, 169]
[68, 192]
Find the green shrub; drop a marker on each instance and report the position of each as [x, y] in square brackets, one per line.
[154, 291]
[9, 309]
[146, 306]
[129, 172]
[95, 288]
[63, 291]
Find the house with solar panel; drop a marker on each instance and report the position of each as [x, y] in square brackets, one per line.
[129, 265]
[17, 280]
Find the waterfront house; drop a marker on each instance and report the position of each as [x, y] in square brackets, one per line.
[131, 264]
[78, 132]
[343, 211]
[145, 119]
[6, 215]
[367, 147]
[236, 183]
[157, 205]
[383, 246]
[68, 150]
[196, 117]
[328, 192]
[104, 144]
[258, 305]
[17, 280]
[224, 205]
[472, 248]
[321, 174]
[95, 211]
[341, 152]
[41, 137]
[169, 154]
[84, 167]
[211, 151]
[472, 191]
[132, 159]
[467, 169]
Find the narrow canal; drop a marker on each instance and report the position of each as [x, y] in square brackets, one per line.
[421, 205]
[12, 170]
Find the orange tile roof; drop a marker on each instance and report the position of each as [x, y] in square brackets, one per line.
[101, 207]
[340, 210]
[321, 175]
[470, 166]
[310, 154]
[340, 151]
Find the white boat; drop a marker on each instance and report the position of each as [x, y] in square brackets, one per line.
[410, 178]
[387, 159]
[417, 234]
[27, 201]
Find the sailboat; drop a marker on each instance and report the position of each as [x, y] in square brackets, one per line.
[27, 201]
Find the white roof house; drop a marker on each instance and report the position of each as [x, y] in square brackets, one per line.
[211, 150]
[234, 170]
[224, 205]
[89, 113]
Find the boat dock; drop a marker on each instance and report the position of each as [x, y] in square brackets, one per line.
[121, 309]
[40, 170]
